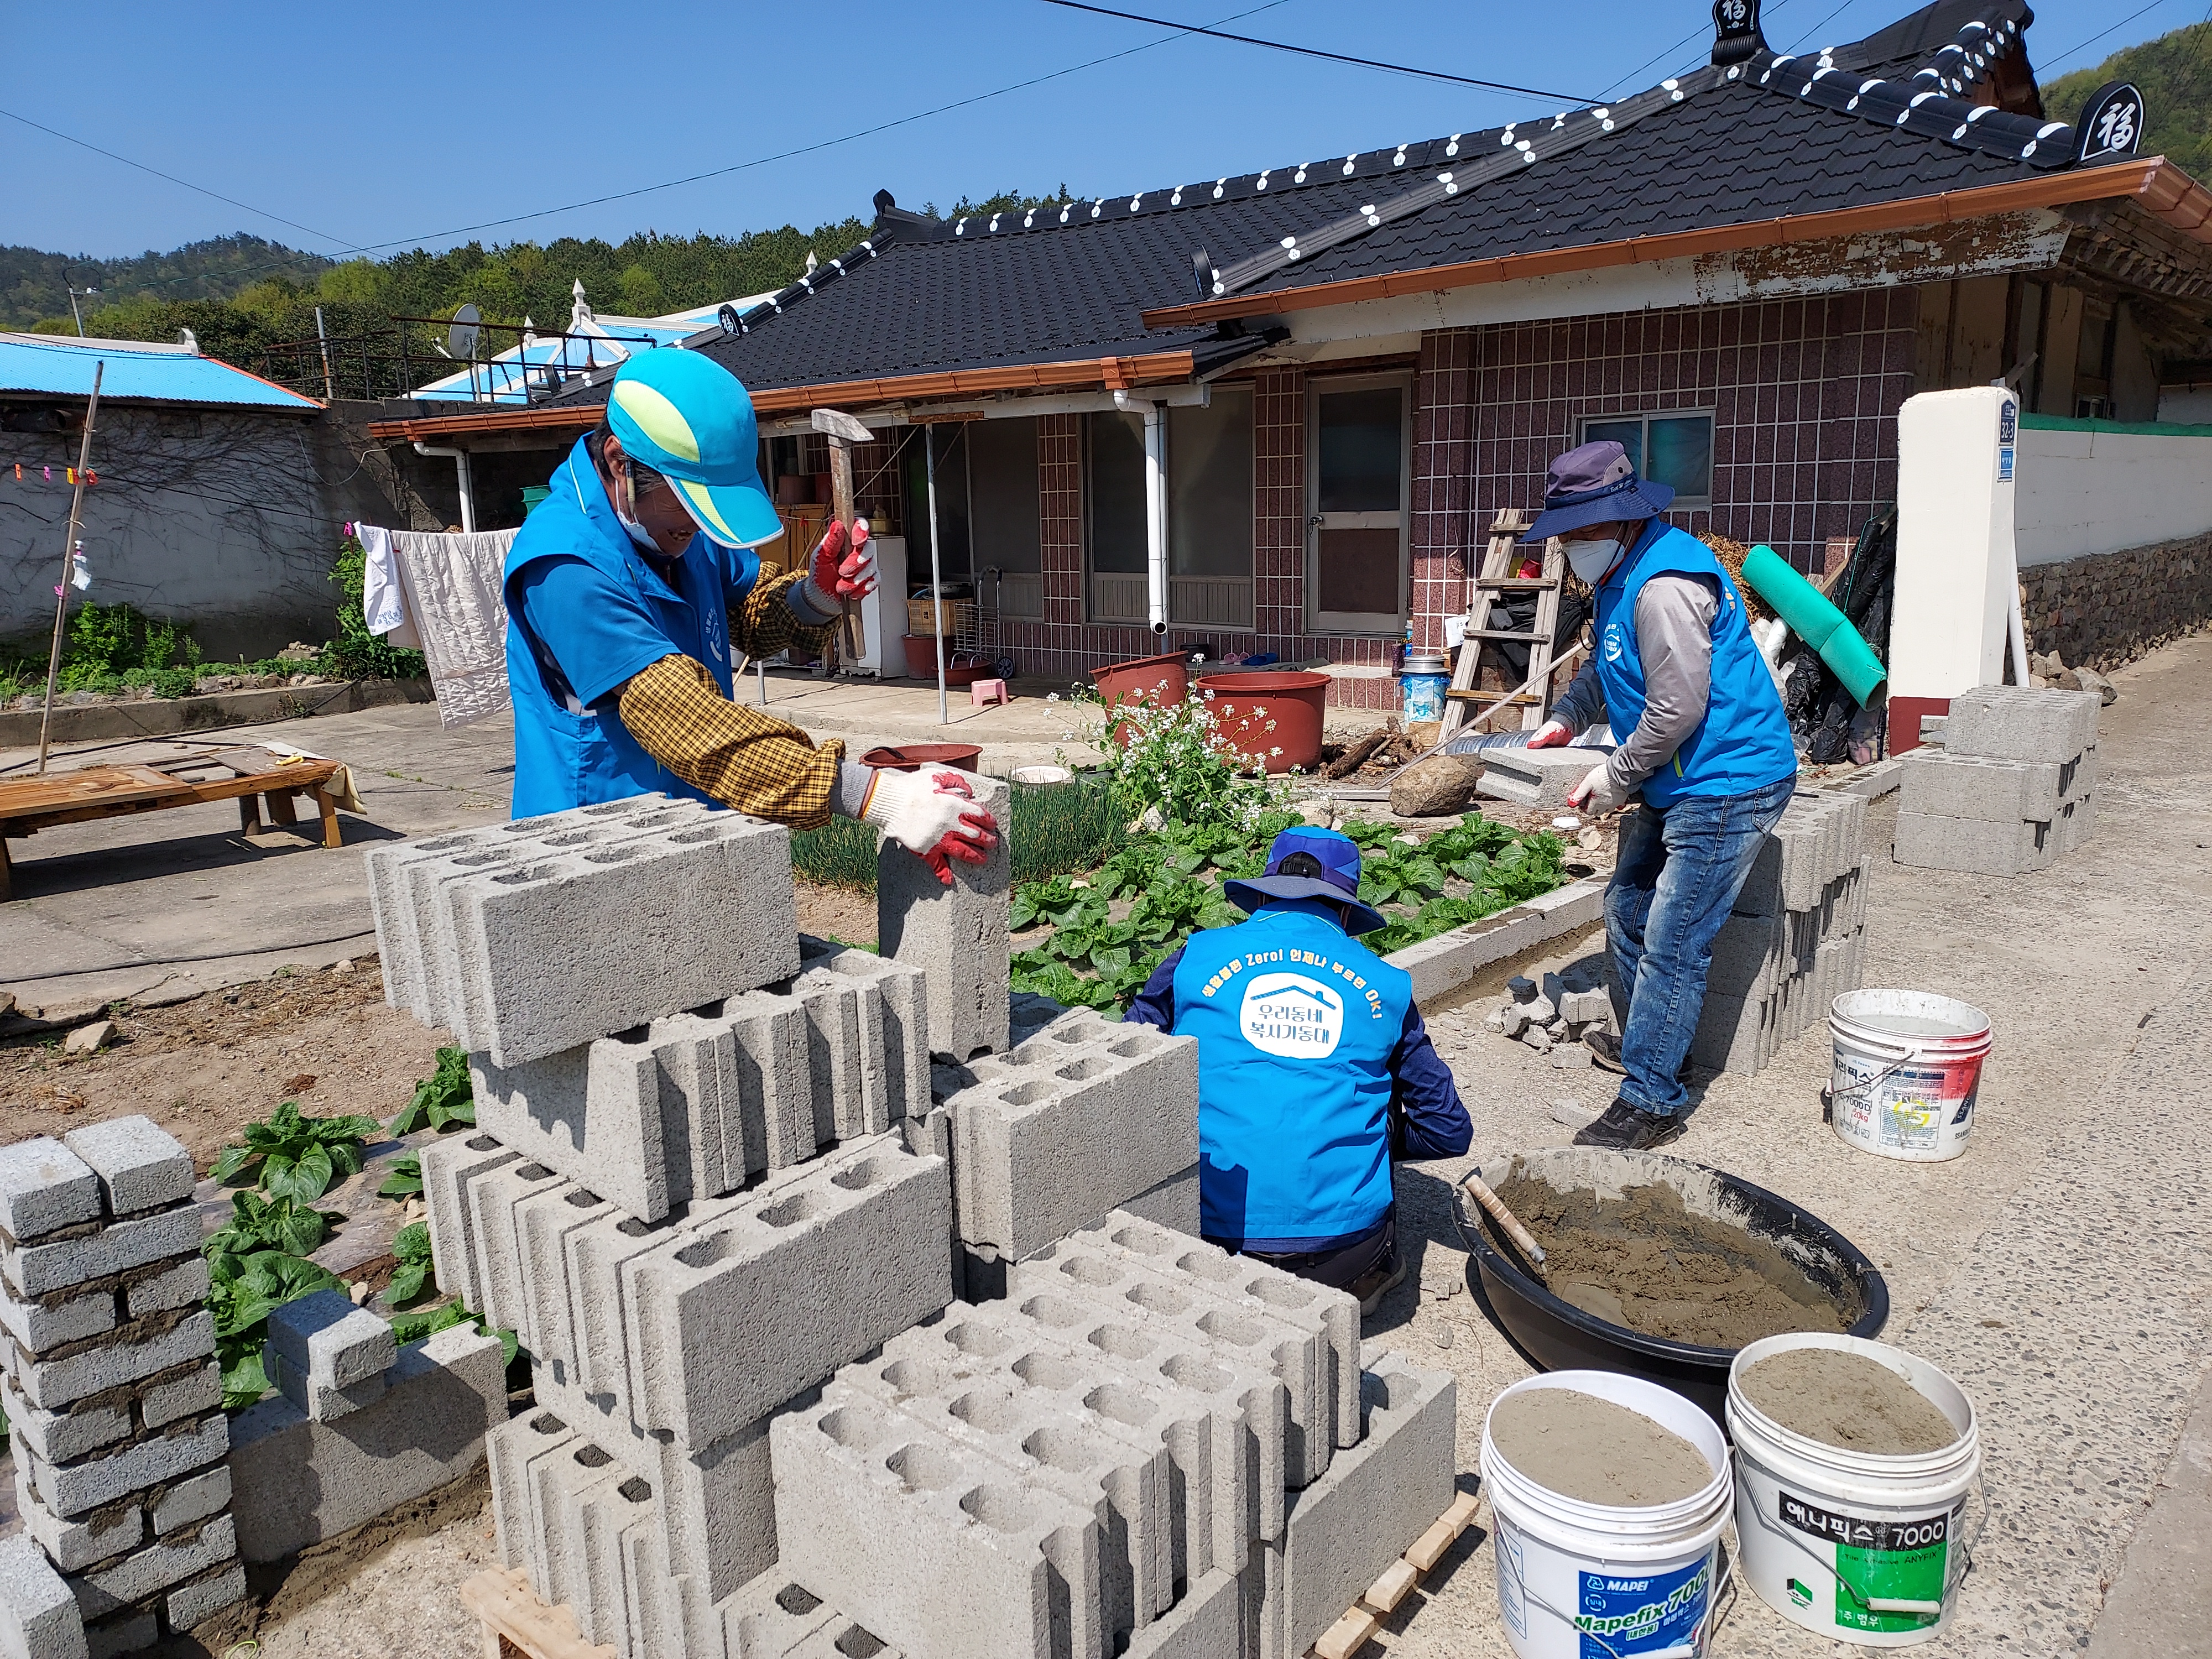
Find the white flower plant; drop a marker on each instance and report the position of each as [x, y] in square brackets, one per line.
[1177, 766]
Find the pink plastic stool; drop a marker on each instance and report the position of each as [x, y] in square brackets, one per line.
[982, 692]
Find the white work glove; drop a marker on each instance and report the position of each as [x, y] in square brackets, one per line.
[933, 815]
[1595, 794]
[1551, 734]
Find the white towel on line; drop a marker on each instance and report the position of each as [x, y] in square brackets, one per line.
[383, 599]
[452, 596]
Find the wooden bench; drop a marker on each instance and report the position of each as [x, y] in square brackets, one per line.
[30, 805]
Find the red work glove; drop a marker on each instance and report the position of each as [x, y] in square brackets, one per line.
[1551, 734]
[843, 568]
[933, 815]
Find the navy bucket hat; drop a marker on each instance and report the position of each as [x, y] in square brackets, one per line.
[1594, 483]
[1309, 863]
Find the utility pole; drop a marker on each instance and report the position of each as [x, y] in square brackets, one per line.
[324, 341]
[69, 283]
[68, 559]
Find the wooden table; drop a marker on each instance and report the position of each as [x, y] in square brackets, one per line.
[254, 775]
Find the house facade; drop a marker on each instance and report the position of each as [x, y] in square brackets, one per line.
[1277, 413]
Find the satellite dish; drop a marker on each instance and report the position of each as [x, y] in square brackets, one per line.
[728, 316]
[461, 338]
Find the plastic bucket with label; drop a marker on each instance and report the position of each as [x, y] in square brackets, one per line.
[1577, 1579]
[1422, 683]
[1908, 1066]
[1858, 1546]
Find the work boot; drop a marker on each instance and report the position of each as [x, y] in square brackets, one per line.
[1626, 1128]
[1371, 1286]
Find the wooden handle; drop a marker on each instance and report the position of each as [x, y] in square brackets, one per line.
[1523, 1241]
[840, 505]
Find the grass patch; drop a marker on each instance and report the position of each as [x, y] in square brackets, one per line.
[1055, 830]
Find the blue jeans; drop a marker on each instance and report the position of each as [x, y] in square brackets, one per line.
[1679, 871]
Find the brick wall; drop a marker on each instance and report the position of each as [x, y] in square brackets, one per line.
[2111, 608]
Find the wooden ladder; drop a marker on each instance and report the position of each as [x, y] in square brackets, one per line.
[1500, 560]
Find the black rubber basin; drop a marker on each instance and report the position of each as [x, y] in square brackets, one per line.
[1560, 1336]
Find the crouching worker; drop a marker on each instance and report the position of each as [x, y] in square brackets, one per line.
[1313, 1069]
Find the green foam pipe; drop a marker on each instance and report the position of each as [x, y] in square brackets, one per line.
[1812, 619]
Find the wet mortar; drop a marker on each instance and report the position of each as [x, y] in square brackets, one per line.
[1849, 1401]
[1595, 1451]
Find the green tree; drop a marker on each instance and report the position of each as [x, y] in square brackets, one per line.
[2174, 73]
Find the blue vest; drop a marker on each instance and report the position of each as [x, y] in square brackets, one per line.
[565, 754]
[1743, 742]
[1296, 1022]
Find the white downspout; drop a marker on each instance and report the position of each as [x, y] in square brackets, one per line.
[1156, 509]
[460, 460]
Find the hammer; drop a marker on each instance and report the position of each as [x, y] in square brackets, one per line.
[843, 432]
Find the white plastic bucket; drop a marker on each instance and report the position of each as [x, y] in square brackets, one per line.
[1908, 1066]
[1858, 1546]
[1577, 1579]
[1041, 775]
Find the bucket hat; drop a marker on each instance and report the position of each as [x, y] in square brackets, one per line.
[1309, 863]
[692, 421]
[1592, 483]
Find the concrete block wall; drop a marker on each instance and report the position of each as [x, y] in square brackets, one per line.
[2011, 788]
[114, 1401]
[1794, 940]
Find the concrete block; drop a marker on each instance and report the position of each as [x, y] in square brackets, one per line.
[204, 1597]
[1972, 845]
[318, 1399]
[124, 1633]
[297, 1481]
[543, 1223]
[77, 1489]
[140, 1166]
[42, 1326]
[561, 1483]
[1205, 1624]
[2010, 722]
[1536, 778]
[38, 1616]
[1749, 953]
[324, 1337]
[44, 1187]
[509, 1447]
[36, 1270]
[184, 1285]
[987, 1567]
[595, 1254]
[869, 1019]
[607, 1513]
[1173, 1204]
[1938, 784]
[66, 1436]
[77, 1545]
[769, 1618]
[55, 1382]
[186, 1395]
[493, 1196]
[1260, 1596]
[674, 921]
[730, 1318]
[144, 1573]
[591, 1113]
[1376, 1497]
[956, 935]
[448, 1165]
[191, 1500]
[1081, 1117]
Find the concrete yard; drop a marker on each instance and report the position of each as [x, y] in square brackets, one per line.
[2059, 1271]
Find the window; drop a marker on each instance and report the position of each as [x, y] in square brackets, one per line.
[1210, 512]
[1667, 449]
[1113, 488]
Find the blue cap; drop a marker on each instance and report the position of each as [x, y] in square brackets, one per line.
[1323, 865]
[692, 421]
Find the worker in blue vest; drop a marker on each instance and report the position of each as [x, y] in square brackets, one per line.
[626, 591]
[1313, 1068]
[1704, 746]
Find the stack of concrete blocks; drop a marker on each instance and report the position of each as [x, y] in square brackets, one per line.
[1538, 779]
[2011, 788]
[1083, 1115]
[1150, 1448]
[1796, 938]
[113, 1396]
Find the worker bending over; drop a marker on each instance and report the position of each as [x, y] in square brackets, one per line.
[1313, 1068]
[1707, 752]
[621, 589]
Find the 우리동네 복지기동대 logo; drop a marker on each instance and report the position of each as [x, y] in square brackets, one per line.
[1291, 1017]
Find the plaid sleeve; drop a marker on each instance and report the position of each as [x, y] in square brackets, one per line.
[765, 624]
[736, 755]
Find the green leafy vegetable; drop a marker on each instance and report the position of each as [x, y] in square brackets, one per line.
[416, 1278]
[259, 1224]
[243, 1292]
[405, 1179]
[413, 1326]
[444, 1100]
[295, 1155]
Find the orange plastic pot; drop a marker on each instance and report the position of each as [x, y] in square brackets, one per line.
[913, 757]
[1163, 681]
[1272, 719]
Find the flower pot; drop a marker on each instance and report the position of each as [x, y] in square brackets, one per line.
[1272, 719]
[1163, 681]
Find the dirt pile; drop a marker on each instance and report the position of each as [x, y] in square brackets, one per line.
[1646, 1262]
[1847, 1400]
[1595, 1451]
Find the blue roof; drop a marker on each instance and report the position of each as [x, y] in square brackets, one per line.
[59, 365]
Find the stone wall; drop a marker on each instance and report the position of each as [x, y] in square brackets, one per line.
[2111, 608]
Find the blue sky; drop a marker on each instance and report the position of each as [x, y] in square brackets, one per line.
[402, 123]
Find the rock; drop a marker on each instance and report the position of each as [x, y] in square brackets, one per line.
[2092, 681]
[1521, 986]
[359, 1291]
[1513, 1019]
[1571, 1057]
[1572, 1113]
[1443, 1336]
[170, 991]
[90, 1039]
[1591, 838]
[1495, 1022]
[2067, 680]
[1541, 1009]
[1318, 813]
[343, 965]
[1434, 788]
[1537, 1038]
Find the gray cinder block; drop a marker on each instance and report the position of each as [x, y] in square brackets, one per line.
[1938, 784]
[64, 1437]
[1174, 1203]
[1975, 845]
[140, 1166]
[956, 935]
[448, 1165]
[38, 1616]
[77, 1489]
[77, 1545]
[891, 999]
[143, 1573]
[493, 1197]
[1537, 778]
[674, 921]
[2012, 722]
[189, 1604]
[1083, 1116]
[1376, 1497]
[1205, 1624]
[44, 1187]
[38, 1269]
[769, 1618]
[191, 1500]
[296, 1481]
[41, 1327]
[53, 1384]
[184, 1285]
[509, 1448]
[319, 1400]
[187, 1394]
[125, 1632]
[324, 1337]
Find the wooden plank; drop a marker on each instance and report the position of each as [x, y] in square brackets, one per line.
[1395, 1584]
[329, 809]
[283, 808]
[502, 1599]
[1517, 635]
[1521, 584]
[1495, 699]
[1347, 1635]
[1429, 1548]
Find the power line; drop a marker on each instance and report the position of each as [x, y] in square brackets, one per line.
[2054, 62]
[1315, 52]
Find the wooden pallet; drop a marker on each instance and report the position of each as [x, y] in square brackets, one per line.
[1364, 1617]
[516, 1622]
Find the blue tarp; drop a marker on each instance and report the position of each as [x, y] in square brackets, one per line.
[63, 367]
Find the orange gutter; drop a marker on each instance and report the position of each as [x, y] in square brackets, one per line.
[1115, 374]
[2162, 188]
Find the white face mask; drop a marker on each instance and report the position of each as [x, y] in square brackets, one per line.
[1591, 560]
[638, 532]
